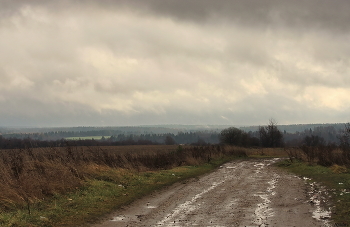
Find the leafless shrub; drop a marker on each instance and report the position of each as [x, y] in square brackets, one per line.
[293, 153]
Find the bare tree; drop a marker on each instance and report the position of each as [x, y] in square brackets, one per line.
[270, 135]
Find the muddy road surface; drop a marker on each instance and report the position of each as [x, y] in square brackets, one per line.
[239, 193]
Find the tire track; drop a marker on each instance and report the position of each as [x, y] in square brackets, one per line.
[240, 193]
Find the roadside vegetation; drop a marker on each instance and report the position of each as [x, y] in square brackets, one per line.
[337, 181]
[319, 161]
[70, 186]
[328, 164]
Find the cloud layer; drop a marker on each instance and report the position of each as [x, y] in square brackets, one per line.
[68, 63]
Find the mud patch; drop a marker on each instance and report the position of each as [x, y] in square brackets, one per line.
[263, 210]
[185, 208]
[240, 193]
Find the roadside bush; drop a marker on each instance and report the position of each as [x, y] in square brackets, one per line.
[293, 153]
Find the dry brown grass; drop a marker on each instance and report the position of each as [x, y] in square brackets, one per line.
[30, 175]
[268, 152]
[328, 155]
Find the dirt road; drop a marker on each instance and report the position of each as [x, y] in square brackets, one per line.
[240, 193]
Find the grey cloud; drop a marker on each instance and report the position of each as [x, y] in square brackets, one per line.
[191, 62]
[307, 14]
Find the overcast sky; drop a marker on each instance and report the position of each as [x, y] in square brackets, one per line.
[133, 62]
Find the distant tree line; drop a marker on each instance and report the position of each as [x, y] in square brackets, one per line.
[170, 138]
[271, 136]
[180, 137]
[57, 135]
[194, 138]
[267, 136]
[14, 143]
[329, 135]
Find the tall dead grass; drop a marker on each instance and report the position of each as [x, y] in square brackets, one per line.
[325, 155]
[30, 175]
[268, 152]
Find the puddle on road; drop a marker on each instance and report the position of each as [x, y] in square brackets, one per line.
[263, 211]
[259, 166]
[262, 165]
[273, 161]
[119, 218]
[183, 209]
[235, 166]
[317, 197]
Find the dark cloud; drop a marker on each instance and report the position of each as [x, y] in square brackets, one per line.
[308, 14]
[302, 14]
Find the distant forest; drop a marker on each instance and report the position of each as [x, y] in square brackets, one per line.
[293, 135]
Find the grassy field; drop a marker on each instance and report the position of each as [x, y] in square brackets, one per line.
[71, 186]
[108, 190]
[337, 181]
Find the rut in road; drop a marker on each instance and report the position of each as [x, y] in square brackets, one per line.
[240, 193]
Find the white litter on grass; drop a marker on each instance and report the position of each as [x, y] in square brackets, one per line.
[345, 191]
[43, 218]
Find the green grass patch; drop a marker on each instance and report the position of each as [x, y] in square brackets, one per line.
[337, 182]
[106, 190]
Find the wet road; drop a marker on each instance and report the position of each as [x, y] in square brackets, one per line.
[240, 193]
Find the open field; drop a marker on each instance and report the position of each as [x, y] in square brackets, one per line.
[69, 186]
